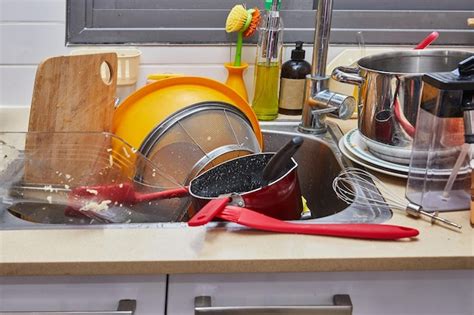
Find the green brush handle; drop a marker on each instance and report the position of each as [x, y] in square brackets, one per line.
[240, 39]
[238, 51]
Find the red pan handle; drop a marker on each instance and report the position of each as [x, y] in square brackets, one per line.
[209, 211]
[259, 221]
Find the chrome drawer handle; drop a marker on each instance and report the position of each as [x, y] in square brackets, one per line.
[125, 307]
[342, 306]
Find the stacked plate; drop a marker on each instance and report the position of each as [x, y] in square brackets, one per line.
[378, 157]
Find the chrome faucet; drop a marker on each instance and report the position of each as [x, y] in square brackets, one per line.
[319, 100]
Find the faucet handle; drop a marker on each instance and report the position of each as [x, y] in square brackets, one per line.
[347, 75]
[342, 106]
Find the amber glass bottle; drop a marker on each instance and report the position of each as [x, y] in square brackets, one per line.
[292, 80]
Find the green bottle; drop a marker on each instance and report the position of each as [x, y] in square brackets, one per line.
[268, 63]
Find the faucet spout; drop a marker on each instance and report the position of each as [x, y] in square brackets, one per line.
[319, 101]
[321, 38]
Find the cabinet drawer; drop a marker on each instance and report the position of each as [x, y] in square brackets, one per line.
[83, 294]
[371, 293]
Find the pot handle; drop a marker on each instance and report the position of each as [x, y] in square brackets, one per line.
[347, 75]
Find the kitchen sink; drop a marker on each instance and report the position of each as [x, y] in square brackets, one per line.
[319, 161]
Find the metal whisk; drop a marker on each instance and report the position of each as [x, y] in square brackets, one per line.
[351, 180]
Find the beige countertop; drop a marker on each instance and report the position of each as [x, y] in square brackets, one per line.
[203, 250]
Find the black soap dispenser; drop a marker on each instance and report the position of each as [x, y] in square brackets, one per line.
[292, 80]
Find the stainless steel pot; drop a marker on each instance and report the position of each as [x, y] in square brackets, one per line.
[390, 88]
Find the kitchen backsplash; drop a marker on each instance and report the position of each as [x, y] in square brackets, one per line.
[33, 30]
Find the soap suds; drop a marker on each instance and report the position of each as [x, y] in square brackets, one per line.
[95, 206]
[92, 191]
[48, 188]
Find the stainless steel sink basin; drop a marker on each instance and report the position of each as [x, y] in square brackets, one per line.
[317, 167]
[319, 161]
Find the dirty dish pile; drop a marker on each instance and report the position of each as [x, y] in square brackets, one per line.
[188, 124]
[179, 127]
[237, 182]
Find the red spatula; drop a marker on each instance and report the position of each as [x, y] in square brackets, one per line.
[259, 221]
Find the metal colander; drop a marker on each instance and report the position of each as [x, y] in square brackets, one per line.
[199, 137]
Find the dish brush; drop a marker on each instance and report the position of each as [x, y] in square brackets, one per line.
[245, 22]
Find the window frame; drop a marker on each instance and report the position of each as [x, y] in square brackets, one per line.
[400, 26]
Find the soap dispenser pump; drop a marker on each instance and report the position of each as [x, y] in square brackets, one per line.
[292, 81]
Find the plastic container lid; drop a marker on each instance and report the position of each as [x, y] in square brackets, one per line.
[460, 79]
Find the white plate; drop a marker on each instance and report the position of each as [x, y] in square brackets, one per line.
[355, 144]
[354, 159]
[388, 153]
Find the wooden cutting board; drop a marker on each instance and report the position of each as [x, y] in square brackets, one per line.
[71, 94]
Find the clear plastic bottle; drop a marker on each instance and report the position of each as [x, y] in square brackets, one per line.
[268, 63]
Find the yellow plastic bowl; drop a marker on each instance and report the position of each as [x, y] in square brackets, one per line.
[146, 108]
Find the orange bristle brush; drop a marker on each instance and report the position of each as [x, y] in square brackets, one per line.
[245, 22]
[254, 22]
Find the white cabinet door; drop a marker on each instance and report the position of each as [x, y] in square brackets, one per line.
[82, 293]
[440, 292]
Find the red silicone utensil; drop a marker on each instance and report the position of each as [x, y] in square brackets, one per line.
[427, 41]
[209, 211]
[259, 221]
[115, 193]
[124, 193]
[406, 125]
